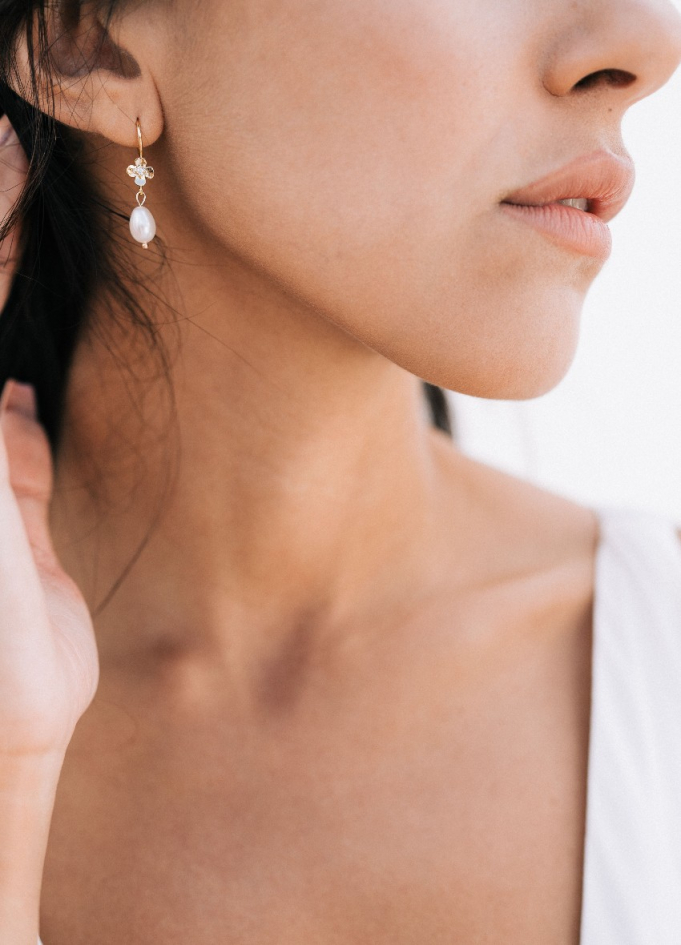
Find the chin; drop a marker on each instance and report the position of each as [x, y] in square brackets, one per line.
[522, 356]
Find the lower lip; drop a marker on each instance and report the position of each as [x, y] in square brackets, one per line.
[572, 229]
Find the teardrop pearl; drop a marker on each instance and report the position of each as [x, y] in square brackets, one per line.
[142, 225]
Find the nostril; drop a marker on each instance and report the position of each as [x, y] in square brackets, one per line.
[614, 78]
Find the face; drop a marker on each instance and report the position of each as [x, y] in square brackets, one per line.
[361, 152]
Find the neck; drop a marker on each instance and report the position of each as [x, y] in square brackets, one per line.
[274, 474]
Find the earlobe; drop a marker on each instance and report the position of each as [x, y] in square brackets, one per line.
[95, 83]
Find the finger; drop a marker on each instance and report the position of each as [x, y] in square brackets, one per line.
[29, 465]
[13, 171]
[22, 600]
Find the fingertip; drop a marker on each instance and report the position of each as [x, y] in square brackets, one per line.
[7, 133]
[20, 398]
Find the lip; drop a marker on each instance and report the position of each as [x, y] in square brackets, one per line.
[603, 178]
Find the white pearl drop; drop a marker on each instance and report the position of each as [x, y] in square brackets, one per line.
[142, 225]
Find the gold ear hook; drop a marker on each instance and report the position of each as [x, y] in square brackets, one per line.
[139, 138]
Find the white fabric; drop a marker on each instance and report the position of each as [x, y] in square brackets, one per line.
[632, 867]
[632, 871]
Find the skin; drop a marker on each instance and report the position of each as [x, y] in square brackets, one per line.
[13, 167]
[344, 688]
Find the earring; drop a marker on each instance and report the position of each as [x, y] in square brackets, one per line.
[142, 223]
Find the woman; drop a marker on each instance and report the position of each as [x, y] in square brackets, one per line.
[339, 685]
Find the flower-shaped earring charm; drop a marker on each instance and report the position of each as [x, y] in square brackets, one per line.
[141, 171]
[142, 223]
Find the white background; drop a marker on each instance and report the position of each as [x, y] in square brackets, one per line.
[610, 434]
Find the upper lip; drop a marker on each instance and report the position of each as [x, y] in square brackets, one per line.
[603, 178]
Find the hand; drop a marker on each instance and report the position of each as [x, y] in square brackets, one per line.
[13, 170]
[48, 656]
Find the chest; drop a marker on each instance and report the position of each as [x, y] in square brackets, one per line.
[456, 818]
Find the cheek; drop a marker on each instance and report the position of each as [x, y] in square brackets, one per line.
[355, 153]
[334, 127]
[340, 113]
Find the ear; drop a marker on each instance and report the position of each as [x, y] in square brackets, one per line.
[100, 77]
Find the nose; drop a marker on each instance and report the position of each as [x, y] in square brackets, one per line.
[625, 49]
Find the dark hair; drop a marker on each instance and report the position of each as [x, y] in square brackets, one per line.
[68, 237]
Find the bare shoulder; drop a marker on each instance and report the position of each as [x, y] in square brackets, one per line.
[519, 527]
[526, 560]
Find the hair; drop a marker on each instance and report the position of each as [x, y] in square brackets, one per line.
[67, 239]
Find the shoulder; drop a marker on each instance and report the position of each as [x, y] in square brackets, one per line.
[555, 550]
[520, 532]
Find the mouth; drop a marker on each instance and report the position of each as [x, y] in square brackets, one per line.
[573, 206]
[579, 203]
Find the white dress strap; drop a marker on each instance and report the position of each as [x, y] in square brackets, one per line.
[632, 870]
